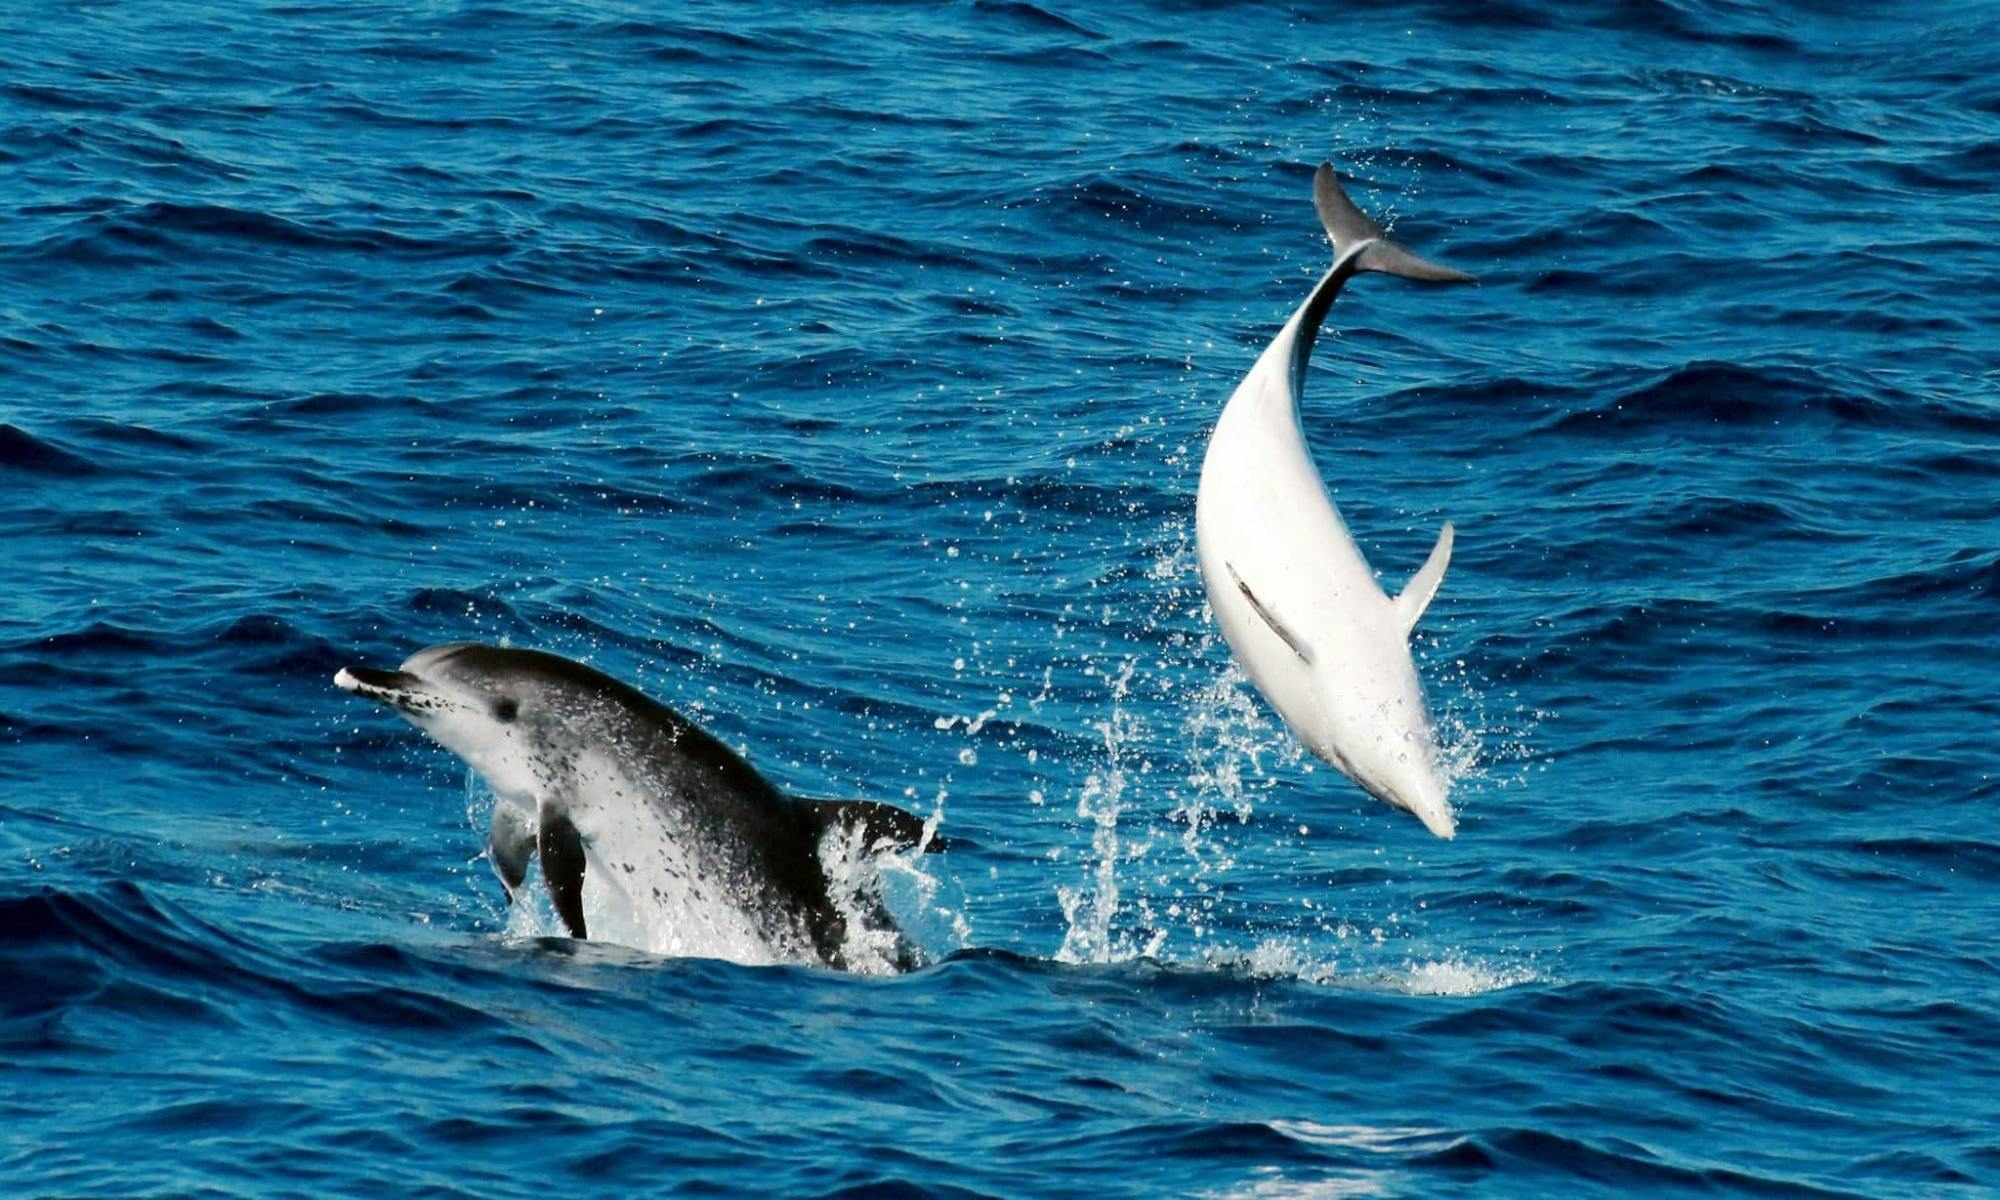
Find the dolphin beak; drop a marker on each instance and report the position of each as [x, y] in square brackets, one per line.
[396, 688]
[1438, 820]
[1425, 802]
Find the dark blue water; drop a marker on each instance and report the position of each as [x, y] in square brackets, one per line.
[842, 379]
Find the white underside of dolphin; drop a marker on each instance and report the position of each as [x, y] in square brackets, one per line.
[1296, 600]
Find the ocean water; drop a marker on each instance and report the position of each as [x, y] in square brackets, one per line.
[841, 377]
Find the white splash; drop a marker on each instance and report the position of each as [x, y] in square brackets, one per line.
[1393, 1144]
[897, 917]
[872, 945]
[1089, 911]
[1459, 977]
[1348, 964]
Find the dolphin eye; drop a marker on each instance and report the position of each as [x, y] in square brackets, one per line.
[506, 709]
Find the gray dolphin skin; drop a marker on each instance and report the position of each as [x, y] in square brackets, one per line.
[632, 805]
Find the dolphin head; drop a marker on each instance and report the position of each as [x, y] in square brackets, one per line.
[499, 709]
[1363, 712]
[1390, 750]
[1409, 779]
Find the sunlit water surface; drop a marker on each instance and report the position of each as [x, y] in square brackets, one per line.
[842, 380]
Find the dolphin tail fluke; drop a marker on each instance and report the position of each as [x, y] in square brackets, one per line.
[1348, 226]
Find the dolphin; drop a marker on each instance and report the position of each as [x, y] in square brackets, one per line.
[1297, 603]
[665, 836]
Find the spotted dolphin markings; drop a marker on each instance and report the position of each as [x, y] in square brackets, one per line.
[648, 829]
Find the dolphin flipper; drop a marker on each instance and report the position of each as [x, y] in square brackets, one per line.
[562, 869]
[1416, 594]
[511, 844]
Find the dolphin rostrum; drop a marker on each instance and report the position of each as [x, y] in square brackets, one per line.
[1296, 600]
[668, 839]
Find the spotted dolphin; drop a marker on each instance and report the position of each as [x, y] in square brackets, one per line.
[664, 836]
[1297, 603]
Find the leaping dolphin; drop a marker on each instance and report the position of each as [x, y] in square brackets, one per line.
[1297, 602]
[665, 836]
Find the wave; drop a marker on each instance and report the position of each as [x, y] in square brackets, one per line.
[1139, 200]
[1938, 857]
[108, 949]
[1732, 396]
[1702, 22]
[1034, 17]
[23, 452]
[131, 232]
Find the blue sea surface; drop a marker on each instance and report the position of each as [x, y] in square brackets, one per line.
[840, 375]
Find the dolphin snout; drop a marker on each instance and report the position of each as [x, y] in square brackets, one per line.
[1423, 799]
[368, 679]
[398, 688]
[1438, 819]
[1427, 804]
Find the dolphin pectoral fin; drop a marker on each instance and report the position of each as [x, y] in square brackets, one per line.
[1348, 227]
[879, 823]
[1416, 594]
[562, 868]
[1269, 618]
[511, 844]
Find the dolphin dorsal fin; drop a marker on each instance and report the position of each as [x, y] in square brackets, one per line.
[1416, 594]
[879, 823]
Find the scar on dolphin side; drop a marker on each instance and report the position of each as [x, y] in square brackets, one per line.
[1278, 627]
